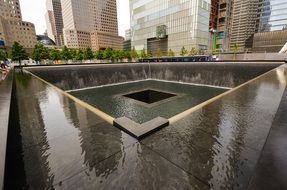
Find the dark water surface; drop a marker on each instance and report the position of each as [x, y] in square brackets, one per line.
[55, 143]
[112, 99]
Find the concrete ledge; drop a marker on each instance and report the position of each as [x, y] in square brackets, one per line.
[137, 130]
[5, 100]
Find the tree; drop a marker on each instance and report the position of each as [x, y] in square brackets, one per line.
[115, 55]
[18, 53]
[134, 53]
[99, 55]
[122, 54]
[143, 53]
[55, 54]
[183, 51]
[66, 54]
[235, 49]
[2, 55]
[158, 52]
[108, 53]
[193, 51]
[88, 54]
[170, 53]
[79, 56]
[39, 53]
[127, 54]
[73, 53]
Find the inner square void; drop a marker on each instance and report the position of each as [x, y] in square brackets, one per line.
[149, 96]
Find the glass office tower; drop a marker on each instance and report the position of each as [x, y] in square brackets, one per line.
[170, 24]
[272, 15]
[271, 26]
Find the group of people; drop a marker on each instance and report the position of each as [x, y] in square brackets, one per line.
[4, 69]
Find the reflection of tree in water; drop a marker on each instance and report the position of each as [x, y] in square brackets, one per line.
[29, 92]
[97, 137]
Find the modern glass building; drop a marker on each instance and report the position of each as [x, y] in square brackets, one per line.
[54, 21]
[170, 24]
[271, 26]
[272, 15]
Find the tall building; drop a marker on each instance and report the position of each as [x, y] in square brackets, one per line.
[223, 25]
[91, 23]
[54, 21]
[272, 15]
[271, 26]
[213, 24]
[127, 43]
[243, 26]
[168, 24]
[12, 28]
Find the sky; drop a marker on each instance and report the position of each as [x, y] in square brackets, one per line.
[34, 11]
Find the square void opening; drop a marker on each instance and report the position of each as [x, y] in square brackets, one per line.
[149, 96]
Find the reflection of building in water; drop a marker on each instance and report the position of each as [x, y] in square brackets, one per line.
[97, 138]
[32, 131]
[216, 139]
[233, 125]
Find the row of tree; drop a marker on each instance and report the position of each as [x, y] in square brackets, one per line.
[39, 53]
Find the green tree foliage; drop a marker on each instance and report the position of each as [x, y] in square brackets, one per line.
[66, 53]
[115, 55]
[158, 52]
[134, 53]
[143, 53]
[55, 54]
[183, 51]
[79, 56]
[18, 53]
[235, 49]
[149, 55]
[193, 51]
[108, 54]
[39, 53]
[73, 53]
[88, 54]
[99, 55]
[122, 55]
[170, 53]
[127, 54]
[2, 55]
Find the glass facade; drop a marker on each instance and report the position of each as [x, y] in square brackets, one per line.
[186, 23]
[272, 15]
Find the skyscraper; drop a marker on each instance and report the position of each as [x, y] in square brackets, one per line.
[272, 15]
[168, 24]
[223, 29]
[91, 23]
[244, 15]
[271, 26]
[54, 21]
[12, 28]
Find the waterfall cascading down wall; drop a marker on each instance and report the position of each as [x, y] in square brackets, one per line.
[216, 74]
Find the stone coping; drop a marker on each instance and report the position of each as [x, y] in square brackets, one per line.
[140, 130]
